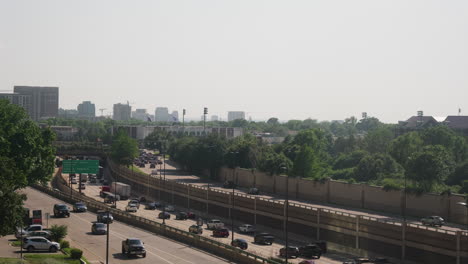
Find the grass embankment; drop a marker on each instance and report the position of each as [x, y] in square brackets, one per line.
[41, 259]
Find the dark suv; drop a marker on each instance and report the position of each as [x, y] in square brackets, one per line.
[293, 252]
[264, 238]
[61, 210]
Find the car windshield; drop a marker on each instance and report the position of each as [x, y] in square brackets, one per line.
[79, 204]
[134, 242]
[100, 225]
[62, 207]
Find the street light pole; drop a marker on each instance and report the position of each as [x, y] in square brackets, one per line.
[164, 207]
[286, 204]
[107, 238]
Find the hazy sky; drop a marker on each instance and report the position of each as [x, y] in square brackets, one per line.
[322, 59]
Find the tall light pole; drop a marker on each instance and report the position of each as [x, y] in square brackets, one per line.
[164, 207]
[232, 200]
[183, 119]
[205, 112]
[107, 238]
[284, 168]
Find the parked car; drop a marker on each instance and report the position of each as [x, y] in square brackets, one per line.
[181, 216]
[164, 215]
[229, 185]
[264, 238]
[133, 246]
[433, 221]
[169, 208]
[196, 229]
[253, 191]
[79, 207]
[104, 217]
[41, 233]
[99, 229]
[61, 210]
[22, 232]
[214, 224]
[246, 228]
[293, 252]
[222, 232]
[240, 243]
[40, 243]
[131, 208]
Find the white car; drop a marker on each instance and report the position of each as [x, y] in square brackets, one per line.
[433, 221]
[169, 208]
[131, 208]
[246, 228]
[214, 224]
[39, 243]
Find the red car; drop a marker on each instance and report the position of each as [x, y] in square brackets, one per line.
[222, 232]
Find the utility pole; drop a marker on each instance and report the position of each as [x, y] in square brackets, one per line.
[205, 112]
[183, 119]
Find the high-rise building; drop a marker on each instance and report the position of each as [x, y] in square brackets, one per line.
[140, 114]
[18, 99]
[44, 101]
[87, 109]
[233, 115]
[161, 114]
[214, 118]
[174, 116]
[122, 112]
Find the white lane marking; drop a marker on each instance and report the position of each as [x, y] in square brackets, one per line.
[121, 236]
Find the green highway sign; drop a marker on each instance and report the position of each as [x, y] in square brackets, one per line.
[80, 166]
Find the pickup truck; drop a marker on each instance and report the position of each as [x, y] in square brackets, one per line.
[133, 246]
[214, 224]
[20, 232]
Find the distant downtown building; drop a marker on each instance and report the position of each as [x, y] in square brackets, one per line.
[39, 102]
[122, 112]
[86, 109]
[140, 114]
[141, 132]
[174, 117]
[233, 115]
[161, 114]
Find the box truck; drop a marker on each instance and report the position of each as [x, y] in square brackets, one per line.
[121, 189]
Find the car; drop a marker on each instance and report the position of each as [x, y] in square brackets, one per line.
[82, 186]
[293, 252]
[214, 224]
[99, 229]
[169, 208]
[253, 191]
[313, 250]
[164, 215]
[92, 180]
[142, 199]
[150, 206]
[40, 243]
[133, 246]
[181, 216]
[307, 261]
[240, 243]
[135, 202]
[22, 232]
[229, 185]
[104, 217]
[61, 210]
[191, 215]
[377, 260]
[196, 229]
[222, 232]
[131, 208]
[73, 181]
[246, 228]
[152, 166]
[40, 233]
[433, 221]
[141, 165]
[264, 238]
[79, 207]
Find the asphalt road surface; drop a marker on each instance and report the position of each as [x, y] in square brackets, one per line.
[159, 249]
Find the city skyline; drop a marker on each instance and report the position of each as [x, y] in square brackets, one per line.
[321, 60]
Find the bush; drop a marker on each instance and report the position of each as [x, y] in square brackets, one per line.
[64, 244]
[58, 232]
[76, 253]
[390, 185]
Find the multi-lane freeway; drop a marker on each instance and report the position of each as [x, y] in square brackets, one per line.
[159, 249]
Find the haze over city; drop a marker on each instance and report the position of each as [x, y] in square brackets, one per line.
[325, 60]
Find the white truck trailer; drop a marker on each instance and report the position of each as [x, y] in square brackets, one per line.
[121, 189]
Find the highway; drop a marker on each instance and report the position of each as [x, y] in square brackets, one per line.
[92, 190]
[159, 249]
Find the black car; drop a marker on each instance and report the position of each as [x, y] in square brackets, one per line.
[61, 210]
[152, 166]
[99, 229]
[229, 185]
[240, 243]
[181, 216]
[79, 207]
[293, 252]
[150, 206]
[264, 238]
[164, 215]
[253, 191]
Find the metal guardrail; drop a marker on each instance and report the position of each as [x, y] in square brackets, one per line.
[159, 228]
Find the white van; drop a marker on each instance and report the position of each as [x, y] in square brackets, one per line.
[214, 224]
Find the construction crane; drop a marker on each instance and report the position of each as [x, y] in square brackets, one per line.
[102, 111]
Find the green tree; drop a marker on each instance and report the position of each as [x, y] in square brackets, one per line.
[306, 164]
[26, 157]
[368, 124]
[157, 138]
[405, 146]
[377, 140]
[124, 149]
[376, 167]
[58, 232]
[444, 136]
[432, 165]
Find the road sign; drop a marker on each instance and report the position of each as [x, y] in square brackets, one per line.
[80, 166]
